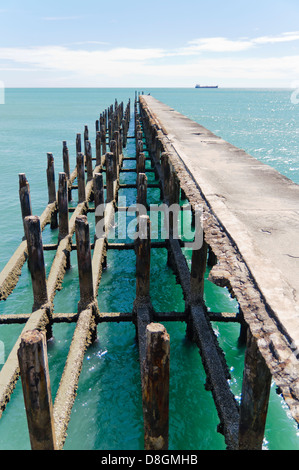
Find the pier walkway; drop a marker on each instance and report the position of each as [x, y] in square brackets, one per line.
[256, 210]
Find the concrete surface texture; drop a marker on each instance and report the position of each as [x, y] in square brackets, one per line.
[258, 207]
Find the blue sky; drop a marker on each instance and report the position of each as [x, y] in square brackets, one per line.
[160, 43]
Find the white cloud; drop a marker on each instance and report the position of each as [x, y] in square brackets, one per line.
[62, 58]
[154, 64]
[284, 37]
[218, 69]
[222, 44]
[218, 44]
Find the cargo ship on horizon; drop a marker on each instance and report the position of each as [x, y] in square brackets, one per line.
[206, 86]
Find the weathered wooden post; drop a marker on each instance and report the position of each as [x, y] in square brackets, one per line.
[198, 269]
[36, 261]
[66, 159]
[63, 210]
[157, 154]
[173, 200]
[51, 178]
[66, 165]
[99, 201]
[143, 257]
[81, 178]
[153, 149]
[34, 371]
[110, 131]
[103, 139]
[165, 174]
[86, 137]
[113, 150]
[109, 176]
[116, 137]
[84, 262]
[140, 164]
[98, 149]
[155, 388]
[78, 144]
[25, 199]
[197, 279]
[124, 132]
[142, 189]
[139, 146]
[89, 166]
[255, 398]
[52, 188]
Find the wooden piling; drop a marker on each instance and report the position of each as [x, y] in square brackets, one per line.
[51, 178]
[89, 166]
[86, 138]
[51, 188]
[173, 200]
[43, 318]
[139, 146]
[124, 132]
[165, 174]
[98, 149]
[81, 178]
[103, 139]
[116, 137]
[255, 398]
[174, 188]
[78, 144]
[142, 189]
[140, 164]
[34, 371]
[66, 159]
[198, 269]
[63, 211]
[143, 256]
[113, 150]
[24, 194]
[84, 262]
[109, 158]
[110, 129]
[66, 166]
[98, 189]
[197, 279]
[155, 388]
[157, 154]
[36, 261]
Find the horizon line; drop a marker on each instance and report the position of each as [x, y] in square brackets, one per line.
[152, 87]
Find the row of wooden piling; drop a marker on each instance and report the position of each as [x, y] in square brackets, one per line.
[47, 423]
[44, 290]
[156, 335]
[243, 425]
[152, 338]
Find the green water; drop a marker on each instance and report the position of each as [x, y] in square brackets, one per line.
[107, 413]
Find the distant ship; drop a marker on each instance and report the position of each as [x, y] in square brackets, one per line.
[199, 86]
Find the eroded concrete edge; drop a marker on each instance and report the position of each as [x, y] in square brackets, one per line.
[233, 272]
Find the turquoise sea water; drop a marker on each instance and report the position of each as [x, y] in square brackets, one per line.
[107, 413]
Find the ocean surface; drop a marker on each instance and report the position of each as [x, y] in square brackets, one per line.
[107, 413]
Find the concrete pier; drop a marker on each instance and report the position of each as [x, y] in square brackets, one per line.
[247, 236]
[251, 223]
